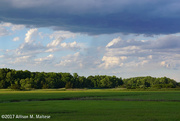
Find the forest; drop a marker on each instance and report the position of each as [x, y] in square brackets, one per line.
[22, 80]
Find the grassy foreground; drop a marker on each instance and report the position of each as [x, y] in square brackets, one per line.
[91, 105]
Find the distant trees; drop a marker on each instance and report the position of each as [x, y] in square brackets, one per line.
[146, 82]
[14, 79]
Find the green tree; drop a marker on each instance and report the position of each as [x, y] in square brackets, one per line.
[3, 84]
[106, 83]
[69, 85]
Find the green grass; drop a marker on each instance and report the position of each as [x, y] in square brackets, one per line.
[99, 105]
[97, 110]
[6, 96]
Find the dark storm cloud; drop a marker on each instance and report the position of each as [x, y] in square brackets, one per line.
[96, 16]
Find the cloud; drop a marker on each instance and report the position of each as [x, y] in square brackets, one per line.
[163, 63]
[111, 61]
[118, 42]
[44, 59]
[72, 61]
[13, 27]
[166, 42]
[3, 31]
[16, 39]
[1, 56]
[158, 52]
[54, 43]
[30, 52]
[73, 45]
[59, 37]
[63, 35]
[26, 48]
[31, 45]
[52, 50]
[79, 61]
[17, 27]
[20, 59]
[95, 17]
[150, 57]
[113, 42]
[30, 34]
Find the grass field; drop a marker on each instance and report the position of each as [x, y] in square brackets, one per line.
[91, 105]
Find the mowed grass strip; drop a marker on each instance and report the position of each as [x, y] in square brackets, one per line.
[93, 110]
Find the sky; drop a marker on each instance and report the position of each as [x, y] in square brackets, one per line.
[125, 38]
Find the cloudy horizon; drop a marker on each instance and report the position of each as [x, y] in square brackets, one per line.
[122, 38]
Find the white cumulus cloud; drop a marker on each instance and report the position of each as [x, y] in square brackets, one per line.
[49, 57]
[113, 42]
[165, 64]
[16, 39]
[30, 35]
[112, 61]
[54, 43]
[69, 45]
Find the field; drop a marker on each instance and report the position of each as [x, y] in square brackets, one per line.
[90, 105]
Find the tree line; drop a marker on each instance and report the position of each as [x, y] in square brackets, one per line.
[18, 79]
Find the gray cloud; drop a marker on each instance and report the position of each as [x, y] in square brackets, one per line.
[167, 42]
[96, 17]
